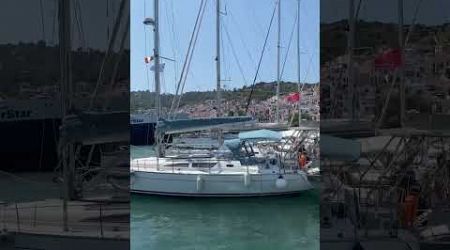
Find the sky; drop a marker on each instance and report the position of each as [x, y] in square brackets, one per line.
[246, 21]
[19, 24]
[430, 12]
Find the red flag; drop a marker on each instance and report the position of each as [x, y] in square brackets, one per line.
[148, 59]
[293, 97]
[390, 59]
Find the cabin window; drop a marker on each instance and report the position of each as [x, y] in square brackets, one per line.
[444, 239]
[203, 165]
[230, 165]
[176, 165]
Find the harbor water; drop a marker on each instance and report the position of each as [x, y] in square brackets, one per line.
[232, 223]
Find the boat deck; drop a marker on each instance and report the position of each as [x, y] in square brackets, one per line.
[199, 166]
[85, 219]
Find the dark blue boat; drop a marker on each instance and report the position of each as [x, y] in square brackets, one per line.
[142, 128]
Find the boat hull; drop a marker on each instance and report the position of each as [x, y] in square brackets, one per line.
[216, 185]
[29, 145]
[142, 134]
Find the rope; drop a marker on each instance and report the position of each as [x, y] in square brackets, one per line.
[289, 44]
[413, 23]
[187, 56]
[41, 154]
[201, 12]
[108, 51]
[241, 39]
[41, 7]
[79, 22]
[310, 56]
[357, 10]
[235, 55]
[145, 32]
[55, 16]
[260, 60]
[115, 67]
[225, 63]
[175, 40]
[107, 19]
[191, 54]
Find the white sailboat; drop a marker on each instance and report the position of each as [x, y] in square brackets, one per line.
[247, 166]
[223, 179]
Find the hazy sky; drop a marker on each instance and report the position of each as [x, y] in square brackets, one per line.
[21, 21]
[429, 11]
[246, 22]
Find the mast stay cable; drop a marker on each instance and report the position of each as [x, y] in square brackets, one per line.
[260, 60]
[191, 47]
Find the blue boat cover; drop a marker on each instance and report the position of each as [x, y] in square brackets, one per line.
[262, 134]
[197, 124]
[234, 145]
[335, 148]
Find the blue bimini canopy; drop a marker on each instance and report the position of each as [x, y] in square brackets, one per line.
[234, 145]
[335, 148]
[262, 134]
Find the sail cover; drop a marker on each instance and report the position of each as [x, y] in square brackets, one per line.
[198, 124]
[262, 134]
[335, 148]
[90, 128]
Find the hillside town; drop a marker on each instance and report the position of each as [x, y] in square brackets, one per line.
[426, 76]
[264, 110]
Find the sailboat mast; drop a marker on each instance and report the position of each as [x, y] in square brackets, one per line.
[157, 72]
[350, 47]
[156, 57]
[278, 63]
[401, 44]
[218, 90]
[67, 154]
[298, 64]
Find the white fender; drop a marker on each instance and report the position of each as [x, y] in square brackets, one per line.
[247, 179]
[199, 183]
[281, 183]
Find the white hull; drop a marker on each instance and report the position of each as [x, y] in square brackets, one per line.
[216, 185]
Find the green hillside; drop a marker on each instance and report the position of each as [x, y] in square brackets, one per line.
[145, 99]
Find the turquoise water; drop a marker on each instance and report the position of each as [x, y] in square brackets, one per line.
[141, 151]
[275, 223]
[28, 186]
